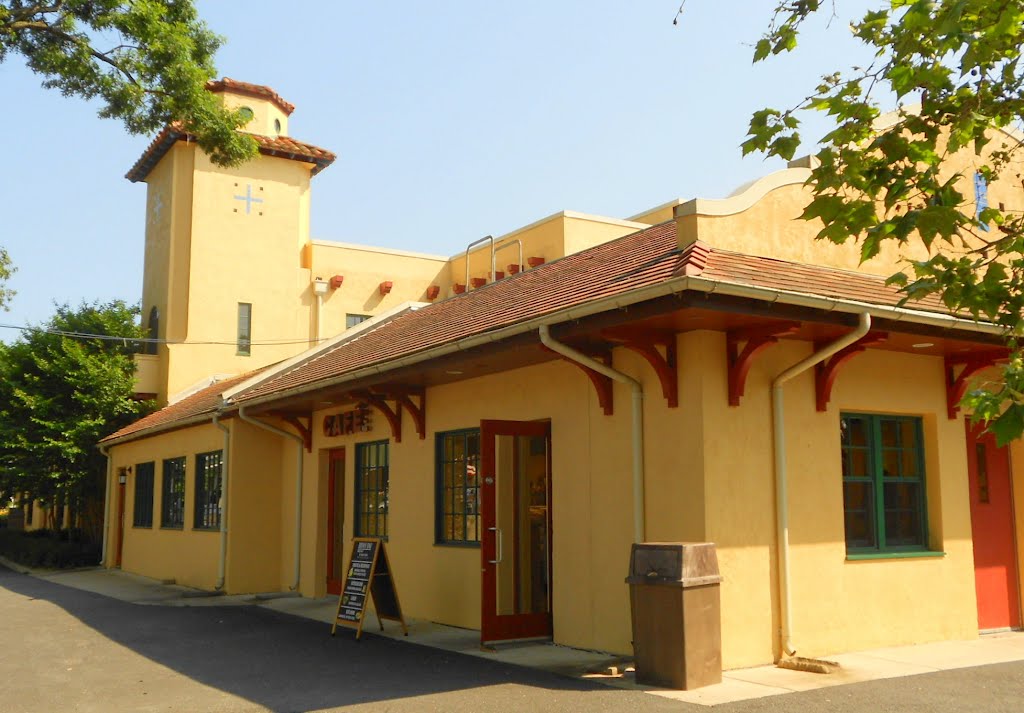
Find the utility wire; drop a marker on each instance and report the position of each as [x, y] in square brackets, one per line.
[150, 340]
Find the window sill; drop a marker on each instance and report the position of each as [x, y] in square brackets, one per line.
[858, 556]
[142, 527]
[459, 545]
[206, 529]
[179, 528]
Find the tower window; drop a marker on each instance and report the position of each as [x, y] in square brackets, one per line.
[277, 126]
[244, 329]
[246, 113]
[152, 331]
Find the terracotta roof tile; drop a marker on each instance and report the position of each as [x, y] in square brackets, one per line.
[280, 146]
[259, 91]
[205, 401]
[616, 267]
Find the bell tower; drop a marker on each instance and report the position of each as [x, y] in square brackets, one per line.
[226, 284]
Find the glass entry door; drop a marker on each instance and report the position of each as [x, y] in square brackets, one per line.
[515, 494]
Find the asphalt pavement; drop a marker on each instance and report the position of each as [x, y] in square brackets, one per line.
[67, 649]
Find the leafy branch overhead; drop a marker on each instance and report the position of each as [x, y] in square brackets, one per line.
[955, 65]
[147, 61]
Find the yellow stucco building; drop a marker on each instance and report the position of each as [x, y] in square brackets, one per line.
[704, 371]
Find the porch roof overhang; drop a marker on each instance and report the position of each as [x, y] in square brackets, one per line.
[679, 304]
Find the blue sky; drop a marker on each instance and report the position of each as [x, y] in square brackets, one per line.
[451, 120]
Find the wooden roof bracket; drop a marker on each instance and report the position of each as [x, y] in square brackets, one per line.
[645, 342]
[755, 341]
[305, 429]
[956, 384]
[826, 372]
[602, 384]
[418, 413]
[393, 415]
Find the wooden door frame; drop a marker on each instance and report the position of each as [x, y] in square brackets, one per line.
[495, 627]
[334, 585]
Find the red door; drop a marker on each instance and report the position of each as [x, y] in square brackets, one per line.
[995, 557]
[335, 520]
[120, 518]
[515, 508]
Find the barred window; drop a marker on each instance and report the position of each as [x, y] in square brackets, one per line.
[142, 514]
[172, 512]
[208, 479]
[371, 488]
[458, 488]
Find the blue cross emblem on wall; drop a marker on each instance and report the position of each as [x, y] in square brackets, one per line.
[248, 198]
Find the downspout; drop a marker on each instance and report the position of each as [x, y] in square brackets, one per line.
[638, 420]
[779, 444]
[105, 451]
[224, 470]
[300, 446]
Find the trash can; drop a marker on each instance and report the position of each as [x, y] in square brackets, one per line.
[677, 618]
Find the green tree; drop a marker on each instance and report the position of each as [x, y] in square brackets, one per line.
[960, 60]
[6, 269]
[147, 61]
[60, 392]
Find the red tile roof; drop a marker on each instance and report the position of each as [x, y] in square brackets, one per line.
[203, 403]
[280, 146]
[258, 91]
[628, 263]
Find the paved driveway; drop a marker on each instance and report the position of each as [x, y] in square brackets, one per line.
[71, 650]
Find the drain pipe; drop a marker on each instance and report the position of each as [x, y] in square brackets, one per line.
[105, 451]
[224, 470]
[300, 446]
[638, 420]
[779, 443]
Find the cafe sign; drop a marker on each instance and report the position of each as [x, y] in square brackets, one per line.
[347, 423]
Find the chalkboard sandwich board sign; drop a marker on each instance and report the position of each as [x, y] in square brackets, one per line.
[369, 576]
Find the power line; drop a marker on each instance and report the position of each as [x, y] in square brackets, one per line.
[150, 340]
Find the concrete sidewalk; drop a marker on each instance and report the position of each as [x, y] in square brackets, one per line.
[737, 685]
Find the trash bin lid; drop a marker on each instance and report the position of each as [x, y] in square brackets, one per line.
[687, 564]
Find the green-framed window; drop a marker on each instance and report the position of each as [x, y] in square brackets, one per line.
[883, 483]
[371, 489]
[457, 504]
[142, 512]
[208, 479]
[172, 506]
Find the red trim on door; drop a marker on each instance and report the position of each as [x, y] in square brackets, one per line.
[335, 468]
[494, 626]
[995, 556]
[120, 524]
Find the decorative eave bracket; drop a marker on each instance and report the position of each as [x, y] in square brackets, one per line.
[602, 384]
[393, 415]
[646, 343]
[755, 340]
[305, 429]
[956, 384]
[825, 373]
[418, 412]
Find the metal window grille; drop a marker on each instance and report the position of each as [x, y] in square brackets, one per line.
[458, 488]
[883, 483]
[142, 513]
[172, 512]
[244, 328]
[208, 479]
[371, 488]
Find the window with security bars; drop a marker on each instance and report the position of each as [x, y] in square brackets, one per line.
[458, 488]
[208, 479]
[883, 483]
[244, 343]
[371, 489]
[172, 511]
[142, 513]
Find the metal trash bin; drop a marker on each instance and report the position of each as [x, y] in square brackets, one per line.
[674, 595]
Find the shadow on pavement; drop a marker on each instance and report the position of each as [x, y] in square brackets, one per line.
[277, 660]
